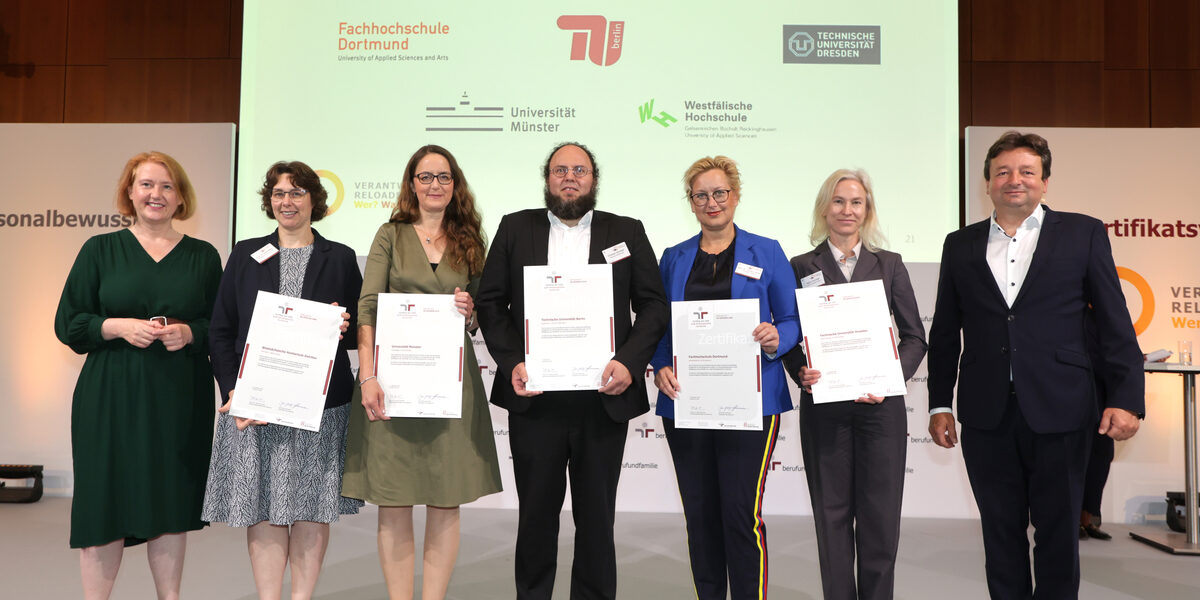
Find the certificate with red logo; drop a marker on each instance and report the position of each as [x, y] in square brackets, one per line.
[849, 337]
[287, 361]
[569, 335]
[419, 355]
[717, 363]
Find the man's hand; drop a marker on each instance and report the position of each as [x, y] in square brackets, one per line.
[1118, 423]
[615, 379]
[942, 430]
[519, 379]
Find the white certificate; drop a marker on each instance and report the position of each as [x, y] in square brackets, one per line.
[569, 336]
[849, 337]
[419, 355]
[718, 364]
[287, 361]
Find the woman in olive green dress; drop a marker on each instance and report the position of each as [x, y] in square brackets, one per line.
[137, 302]
[433, 244]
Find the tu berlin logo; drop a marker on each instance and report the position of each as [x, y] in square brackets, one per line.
[590, 40]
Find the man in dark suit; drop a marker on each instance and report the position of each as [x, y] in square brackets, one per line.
[1017, 288]
[580, 433]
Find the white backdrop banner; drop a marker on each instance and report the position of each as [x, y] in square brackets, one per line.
[61, 190]
[1139, 183]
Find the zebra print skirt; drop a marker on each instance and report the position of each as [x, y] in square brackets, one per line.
[277, 473]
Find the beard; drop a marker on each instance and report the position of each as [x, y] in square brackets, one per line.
[570, 210]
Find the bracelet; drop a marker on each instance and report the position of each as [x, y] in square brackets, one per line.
[470, 321]
[360, 384]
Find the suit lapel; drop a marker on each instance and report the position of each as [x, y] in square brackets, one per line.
[866, 267]
[272, 264]
[828, 266]
[315, 263]
[741, 254]
[1042, 253]
[539, 239]
[599, 242]
[978, 259]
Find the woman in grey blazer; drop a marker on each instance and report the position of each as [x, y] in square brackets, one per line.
[854, 451]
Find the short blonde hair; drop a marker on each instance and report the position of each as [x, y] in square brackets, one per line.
[183, 185]
[708, 163]
[870, 234]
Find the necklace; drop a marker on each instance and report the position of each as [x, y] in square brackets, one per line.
[428, 239]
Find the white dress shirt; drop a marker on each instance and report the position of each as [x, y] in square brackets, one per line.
[846, 262]
[569, 245]
[1009, 257]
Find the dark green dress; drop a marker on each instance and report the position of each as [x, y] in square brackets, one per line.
[407, 461]
[141, 419]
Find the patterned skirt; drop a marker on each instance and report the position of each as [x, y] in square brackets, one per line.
[277, 473]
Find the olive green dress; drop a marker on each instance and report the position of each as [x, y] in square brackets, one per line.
[141, 418]
[410, 461]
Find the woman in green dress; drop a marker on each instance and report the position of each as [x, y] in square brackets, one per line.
[433, 244]
[137, 302]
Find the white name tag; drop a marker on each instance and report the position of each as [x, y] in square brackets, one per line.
[746, 270]
[264, 253]
[617, 253]
[815, 280]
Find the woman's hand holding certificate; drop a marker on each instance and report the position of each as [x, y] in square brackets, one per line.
[287, 361]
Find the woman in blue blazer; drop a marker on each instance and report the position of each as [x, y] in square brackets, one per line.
[854, 452]
[722, 473]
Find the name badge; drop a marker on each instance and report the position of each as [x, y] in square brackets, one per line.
[264, 253]
[815, 280]
[750, 271]
[616, 253]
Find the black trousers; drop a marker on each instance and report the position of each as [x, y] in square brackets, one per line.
[563, 436]
[1019, 476]
[1099, 463]
[854, 457]
[722, 476]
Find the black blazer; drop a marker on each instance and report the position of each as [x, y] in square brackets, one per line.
[332, 276]
[885, 266]
[523, 239]
[1041, 340]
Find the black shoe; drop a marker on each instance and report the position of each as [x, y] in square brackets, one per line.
[1083, 535]
[1093, 532]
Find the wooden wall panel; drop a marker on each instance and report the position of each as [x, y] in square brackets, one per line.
[178, 29]
[87, 31]
[35, 96]
[1127, 34]
[236, 16]
[33, 32]
[1041, 94]
[1125, 96]
[175, 90]
[1036, 30]
[1175, 98]
[1175, 34]
[84, 98]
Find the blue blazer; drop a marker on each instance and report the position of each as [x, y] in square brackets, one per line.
[776, 294]
[332, 275]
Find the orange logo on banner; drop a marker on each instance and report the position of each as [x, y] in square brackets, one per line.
[1143, 287]
[338, 188]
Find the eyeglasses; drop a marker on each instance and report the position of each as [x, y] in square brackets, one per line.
[578, 171]
[701, 198]
[295, 193]
[427, 178]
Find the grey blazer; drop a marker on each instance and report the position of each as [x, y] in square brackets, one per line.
[882, 265]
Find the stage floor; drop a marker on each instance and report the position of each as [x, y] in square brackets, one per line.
[938, 559]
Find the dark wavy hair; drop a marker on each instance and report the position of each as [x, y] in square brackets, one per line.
[465, 246]
[302, 177]
[1011, 140]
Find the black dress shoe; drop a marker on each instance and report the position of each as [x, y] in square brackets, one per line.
[1094, 532]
